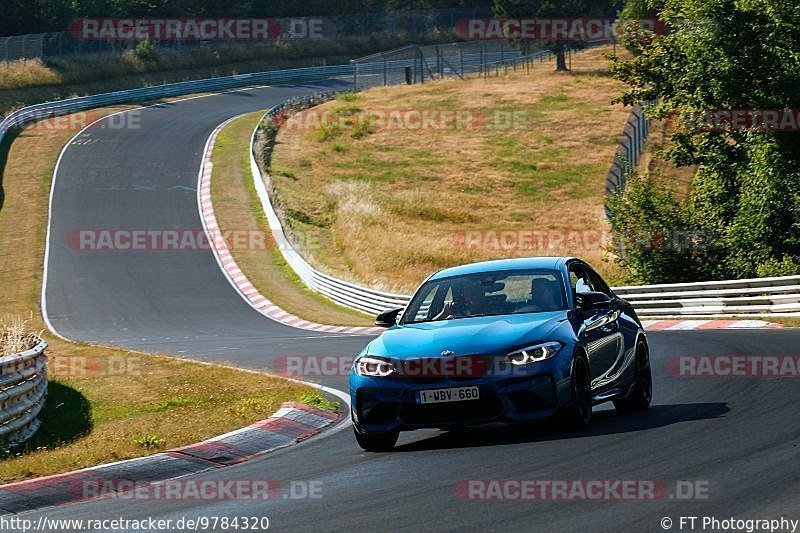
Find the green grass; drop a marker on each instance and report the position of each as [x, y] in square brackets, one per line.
[316, 399]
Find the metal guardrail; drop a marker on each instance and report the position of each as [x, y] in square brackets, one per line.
[47, 110]
[23, 392]
[745, 297]
[628, 151]
[343, 292]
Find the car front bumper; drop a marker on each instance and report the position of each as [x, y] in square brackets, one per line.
[392, 404]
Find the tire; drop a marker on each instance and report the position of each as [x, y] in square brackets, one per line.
[579, 413]
[642, 392]
[376, 442]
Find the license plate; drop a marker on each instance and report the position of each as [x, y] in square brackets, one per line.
[458, 394]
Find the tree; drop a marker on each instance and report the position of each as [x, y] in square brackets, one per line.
[728, 55]
[556, 9]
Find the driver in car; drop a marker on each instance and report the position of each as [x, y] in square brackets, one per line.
[546, 295]
[467, 301]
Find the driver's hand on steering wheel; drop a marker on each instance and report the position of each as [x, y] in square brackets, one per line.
[447, 311]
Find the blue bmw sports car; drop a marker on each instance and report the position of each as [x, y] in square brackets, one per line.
[502, 341]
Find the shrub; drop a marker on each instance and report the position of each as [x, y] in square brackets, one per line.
[656, 237]
[150, 441]
[147, 52]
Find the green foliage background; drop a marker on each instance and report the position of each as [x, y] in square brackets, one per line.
[744, 207]
[35, 16]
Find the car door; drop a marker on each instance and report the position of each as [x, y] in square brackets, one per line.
[600, 332]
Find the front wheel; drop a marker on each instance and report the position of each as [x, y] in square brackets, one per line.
[376, 442]
[579, 413]
[642, 392]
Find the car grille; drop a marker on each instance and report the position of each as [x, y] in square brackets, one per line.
[432, 370]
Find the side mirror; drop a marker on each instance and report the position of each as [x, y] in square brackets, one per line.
[388, 318]
[589, 301]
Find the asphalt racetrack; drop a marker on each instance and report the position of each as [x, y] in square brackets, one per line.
[734, 442]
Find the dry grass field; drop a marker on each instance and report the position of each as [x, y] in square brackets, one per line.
[386, 203]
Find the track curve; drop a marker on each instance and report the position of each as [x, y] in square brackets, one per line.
[740, 435]
[145, 178]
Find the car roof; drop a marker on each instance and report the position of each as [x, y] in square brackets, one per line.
[523, 263]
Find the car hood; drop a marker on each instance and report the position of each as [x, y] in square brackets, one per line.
[466, 336]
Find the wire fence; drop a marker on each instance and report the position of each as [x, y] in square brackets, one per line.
[436, 24]
[629, 151]
[417, 64]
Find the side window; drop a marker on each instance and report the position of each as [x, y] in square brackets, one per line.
[424, 310]
[579, 280]
[573, 279]
[598, 283]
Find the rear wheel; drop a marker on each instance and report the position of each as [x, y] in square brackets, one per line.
[642, 392]
[376, 442]
[579, 413]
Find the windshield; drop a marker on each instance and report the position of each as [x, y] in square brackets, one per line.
[487, 294]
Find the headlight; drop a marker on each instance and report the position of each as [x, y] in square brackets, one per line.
[373, 367]
[534, 354]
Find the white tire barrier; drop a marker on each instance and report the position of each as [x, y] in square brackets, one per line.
[23, 392]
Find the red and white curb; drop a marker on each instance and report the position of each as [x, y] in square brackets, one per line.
[684, 325]
[292, 423]
[232, 271]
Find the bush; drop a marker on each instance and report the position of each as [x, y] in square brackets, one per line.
[773, 268]
[656, 237]
[745, 197]
[150, 441]
[268, 132]
[147, 52]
